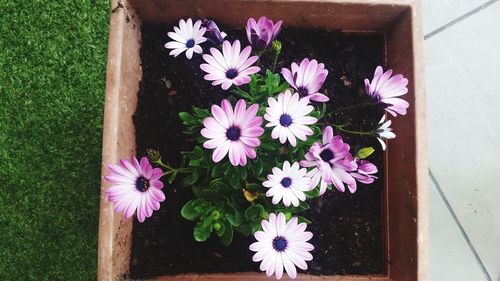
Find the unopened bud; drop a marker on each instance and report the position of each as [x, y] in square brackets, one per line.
[215, 215]
[217, 226]
[276, 45]
[365, 152]
[153, 155]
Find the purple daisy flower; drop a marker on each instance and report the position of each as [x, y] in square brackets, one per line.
[332, 162]
[235, 132]
[307, 78]
[385, 89]
[187, 37]
[282, 246]
[136, 186]
[260, 34]
[363, 174]
[288, 184]
[288, 116]
[229, 67]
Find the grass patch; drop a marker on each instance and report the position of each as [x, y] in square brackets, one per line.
[52, 80]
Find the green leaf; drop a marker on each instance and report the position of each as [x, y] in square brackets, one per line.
[198, 153]
[217, 171]
[220, 186]
[253, 187]
[201, 206]
[234, 181]
[244, 229]
[227, 236]
[323, 110]
[211, 195]
[254, 211]
[313, 193]
[234, 216]
[267, 146]
[243, 173]
[315, 114]
[186, 117]
[172, 177]
[201, 231]
[194, 163]
[255, 225]
[302, 219]
[201, 112]
[257, 167]
[191, 179]
[188, 211]
[229, 170]
[282, 87]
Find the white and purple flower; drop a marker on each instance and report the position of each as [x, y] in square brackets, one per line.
[234, 132]
[307, 78]
[288, 185]
[136, 186]
[231, 66]
[282, 246]
[288, 116]
[332, 162]
[385, 90]
[261, 33]
[187, 37]
[363, 174]
[384, 132]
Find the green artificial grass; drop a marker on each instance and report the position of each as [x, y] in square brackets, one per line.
[52, 80]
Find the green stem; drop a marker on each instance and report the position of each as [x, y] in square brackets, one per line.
[259, 54]
[171, 170]
[244, 94]
[180, 170]
[275, 61]
[159, 162]
[364, 104]
[362, 133]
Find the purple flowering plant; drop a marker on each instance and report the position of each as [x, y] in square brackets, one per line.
[263, 151]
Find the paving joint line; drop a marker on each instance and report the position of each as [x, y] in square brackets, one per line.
[459, 19]
[459, 224]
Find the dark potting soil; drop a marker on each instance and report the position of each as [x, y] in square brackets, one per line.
[347, 228]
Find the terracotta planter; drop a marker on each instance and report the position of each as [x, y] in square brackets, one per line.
[405, 204]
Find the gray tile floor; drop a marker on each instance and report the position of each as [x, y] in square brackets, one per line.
[462, 53]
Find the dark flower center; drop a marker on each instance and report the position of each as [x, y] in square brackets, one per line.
[285, 120]
[302, 91]
[286, 182]
[326, 155]
[190, 43]
[233, 133]
[231, 73]
[280, 243]
[142, 184]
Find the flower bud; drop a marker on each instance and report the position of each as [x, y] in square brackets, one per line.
[365, 152]
[153, 155]
[276, 45]
[215, 215]
[217, 226]
[212, 33]
[261, 33]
